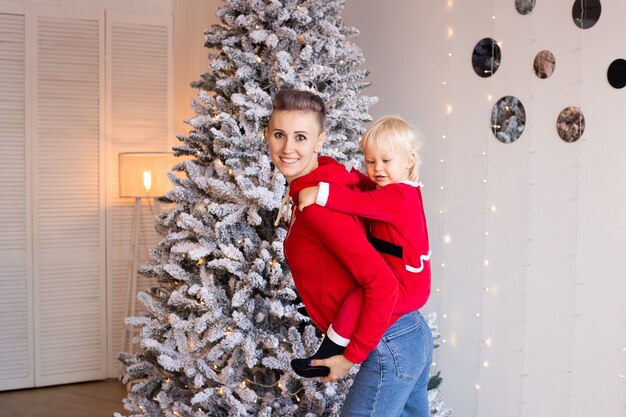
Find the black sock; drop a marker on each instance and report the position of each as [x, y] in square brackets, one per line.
[327, 349]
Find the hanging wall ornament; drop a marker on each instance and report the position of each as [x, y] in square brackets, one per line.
[616, 74]
[508, 119]
[586, 13]
[486, 57]
[570, 124]
[524, 6]
[544, 64]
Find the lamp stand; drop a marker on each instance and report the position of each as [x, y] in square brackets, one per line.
[130, 302]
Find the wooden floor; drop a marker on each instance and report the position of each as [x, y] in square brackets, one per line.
[89, 399]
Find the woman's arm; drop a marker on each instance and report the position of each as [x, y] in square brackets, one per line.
[343, 235]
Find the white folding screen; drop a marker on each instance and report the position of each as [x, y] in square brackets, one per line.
[71, 99]
[16, 320]
[68, 196]
[139, 79]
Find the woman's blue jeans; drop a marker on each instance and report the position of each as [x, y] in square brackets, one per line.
[393, 380]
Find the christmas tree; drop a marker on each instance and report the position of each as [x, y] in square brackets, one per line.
[221, 322]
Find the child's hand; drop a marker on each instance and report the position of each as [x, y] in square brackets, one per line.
[307, 197]
[339, 367]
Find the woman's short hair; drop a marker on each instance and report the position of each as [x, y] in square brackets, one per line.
[303, 100]
[394, 133]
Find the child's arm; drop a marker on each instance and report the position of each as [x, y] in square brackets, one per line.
[382, 204]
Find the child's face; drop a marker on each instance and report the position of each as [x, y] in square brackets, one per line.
[294, 138]
[387, 166]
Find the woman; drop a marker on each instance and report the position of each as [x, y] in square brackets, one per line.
[329, 257]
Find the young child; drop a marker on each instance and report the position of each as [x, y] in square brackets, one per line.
[391, 202]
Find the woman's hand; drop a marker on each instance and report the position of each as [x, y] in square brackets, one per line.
[339, 367]
[307, 197]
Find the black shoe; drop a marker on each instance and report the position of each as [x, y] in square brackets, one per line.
[327, 349]
[302, 368]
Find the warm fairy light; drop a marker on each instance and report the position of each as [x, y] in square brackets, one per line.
[220, 391]
[438, 290]
[443, 136]
[477, 387]
[444, 82]
[488, 342]
[493, 17]
[449, 53]
[230, 172]
[450, 32]
[449, 109]
[447, 239]
[442, 161]
[486, 364]
[441, 188]
[445, 316]
[258, 59]
[443, 265]
[493, 209]
[487, 289]
[486, 262]
[200, 261]
[243, 384]
[477, 314]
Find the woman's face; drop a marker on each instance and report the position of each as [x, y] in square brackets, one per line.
[294, 138]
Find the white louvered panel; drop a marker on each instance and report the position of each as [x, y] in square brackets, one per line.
[70, 291]
[16, 355]
[139, 76]
[77, 289]
[139, 84]
[16, 319]
[12, 133]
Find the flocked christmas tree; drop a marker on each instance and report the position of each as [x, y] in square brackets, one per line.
[221, 322]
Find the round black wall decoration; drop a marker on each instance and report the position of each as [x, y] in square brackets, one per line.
[616, 73]
[486, 57]
[586, 13]
[524, 6]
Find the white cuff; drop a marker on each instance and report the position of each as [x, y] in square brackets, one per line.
[335, 337]
[322, 195]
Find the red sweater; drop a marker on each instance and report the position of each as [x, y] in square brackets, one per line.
[396, 223]
[329, 257]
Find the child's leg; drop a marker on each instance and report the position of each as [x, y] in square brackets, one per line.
[336, 339]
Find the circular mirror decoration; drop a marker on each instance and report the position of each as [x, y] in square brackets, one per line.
[586, 13]
[616, 73]
[524, 6]
[486, 57]
[544, 64]
[508, 119]
[570, 124]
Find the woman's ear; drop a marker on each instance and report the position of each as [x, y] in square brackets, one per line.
[320, 141]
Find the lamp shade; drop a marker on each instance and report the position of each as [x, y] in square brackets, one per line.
[144, 174]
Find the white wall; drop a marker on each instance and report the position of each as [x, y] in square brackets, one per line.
[531, 298]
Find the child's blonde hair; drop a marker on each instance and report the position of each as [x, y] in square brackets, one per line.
[391, 133]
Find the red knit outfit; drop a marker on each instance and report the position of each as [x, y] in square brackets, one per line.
[330, 257]
[397, 228]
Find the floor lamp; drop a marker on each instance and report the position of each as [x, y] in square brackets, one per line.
[141, 175]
